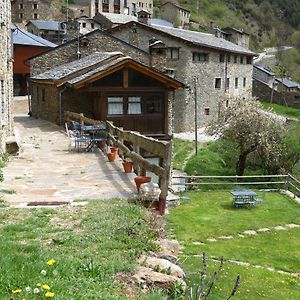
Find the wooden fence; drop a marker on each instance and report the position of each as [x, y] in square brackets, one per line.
[286, 182]
[161, 149]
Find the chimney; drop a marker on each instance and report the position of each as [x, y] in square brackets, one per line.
[144, 16]
[158, 55]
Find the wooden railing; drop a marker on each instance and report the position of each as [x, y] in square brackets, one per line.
[285, 182]
[160, 149]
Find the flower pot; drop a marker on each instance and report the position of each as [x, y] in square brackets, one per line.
[127, 165]
[141, 179]
[101, 144]
[111, 156]
[113, 149]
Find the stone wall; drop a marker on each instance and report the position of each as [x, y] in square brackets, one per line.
[6, 75]
[95, 41]
[45, 101]
[25, 10]
[197, 75]
[264, 93]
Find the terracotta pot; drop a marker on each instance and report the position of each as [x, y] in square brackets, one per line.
[141, 179]
[113, 149]
[127, 165]
[111, 156]
[101, 144]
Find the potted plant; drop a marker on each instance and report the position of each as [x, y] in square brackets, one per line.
[127, 165]
[141, 179]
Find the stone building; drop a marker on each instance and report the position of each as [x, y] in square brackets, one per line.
[264, 75]
[96, 40]
[6, 73]
[107, 86]
[267, 88]
[213, 69]
[53, 31]
[24, 10]
[237, 36]
[126, 7]
[175, 14]
[80, 26]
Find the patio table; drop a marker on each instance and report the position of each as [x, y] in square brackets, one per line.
[97, 133]
[243, 198]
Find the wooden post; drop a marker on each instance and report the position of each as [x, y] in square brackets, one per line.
[164, 180]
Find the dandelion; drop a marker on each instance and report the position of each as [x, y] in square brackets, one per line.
[46, 287]
[49, 295]
[17, 291]
[36, 290]
[50, 262]
[44, 272]
[28, 289]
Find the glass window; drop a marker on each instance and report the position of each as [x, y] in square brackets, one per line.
[206, 111]
[236, 83]
[227, 83]
[242, 60]
[173, 53]
[198, 56]
[115, 106]
[244, 82]
[235, 59]
[218, 83]
[222, 57]
[153, 105]
[134, 106]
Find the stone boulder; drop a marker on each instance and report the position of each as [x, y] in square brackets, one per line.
[150, 277]
[161, 265]
[12, 146]
[168, 247]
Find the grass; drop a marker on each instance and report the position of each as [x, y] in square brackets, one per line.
[181, 152]
[211, 214]
[91, 244]
[283, 110]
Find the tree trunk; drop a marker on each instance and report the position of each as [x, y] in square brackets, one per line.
[241, 164]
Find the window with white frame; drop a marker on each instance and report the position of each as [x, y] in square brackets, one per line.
[134, 105]
[115, 106]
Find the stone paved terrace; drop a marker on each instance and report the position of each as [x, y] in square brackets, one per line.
[47, 171]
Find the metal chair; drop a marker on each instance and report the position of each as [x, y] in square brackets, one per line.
[262, 198]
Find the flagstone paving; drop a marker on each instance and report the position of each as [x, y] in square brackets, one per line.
[46, 169]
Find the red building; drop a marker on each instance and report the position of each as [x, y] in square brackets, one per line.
[25, 45]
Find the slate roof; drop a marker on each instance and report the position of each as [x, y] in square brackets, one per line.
[289, 83]
[84, 68]
[161, 22]
[179, 7]
[75, 66]
[264, 69]
[204, 39]
[46, 25]
[119, 18]
[23, 37]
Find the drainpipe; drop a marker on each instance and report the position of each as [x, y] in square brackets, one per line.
[59, 105]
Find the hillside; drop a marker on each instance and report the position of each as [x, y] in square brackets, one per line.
[268, 21]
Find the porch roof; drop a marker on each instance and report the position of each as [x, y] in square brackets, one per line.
[98, 65]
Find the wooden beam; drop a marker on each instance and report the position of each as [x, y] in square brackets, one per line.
[138, 159]
[125, 78]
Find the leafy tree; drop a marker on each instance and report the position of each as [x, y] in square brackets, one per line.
[253, 130]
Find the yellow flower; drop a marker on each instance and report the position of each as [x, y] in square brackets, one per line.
[17, 291]
[38, 284]
[46, 287]
[49, 295]
[23, 298]
[50, 262]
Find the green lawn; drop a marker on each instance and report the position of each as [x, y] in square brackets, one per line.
[283, 110]
[211, 214]
[181, 152]
[90, 244]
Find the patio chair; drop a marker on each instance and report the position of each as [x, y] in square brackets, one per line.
[262, 198]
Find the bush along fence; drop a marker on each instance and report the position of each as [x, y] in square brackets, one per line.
[286, 182]
[122, 138]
